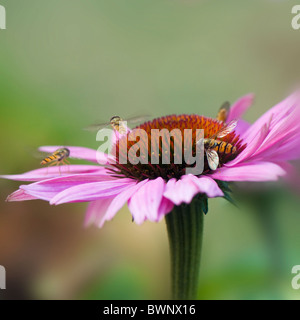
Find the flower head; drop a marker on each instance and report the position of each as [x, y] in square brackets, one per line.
[261, 153]
[169, 148]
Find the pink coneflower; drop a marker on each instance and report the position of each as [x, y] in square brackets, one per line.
[153, 191]
[270, 142]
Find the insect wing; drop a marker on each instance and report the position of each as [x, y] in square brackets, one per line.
[228, 128]
[212, 159]
[132, 120]
[138, 119]
[225, 105]
[223, 111]
[96, 127]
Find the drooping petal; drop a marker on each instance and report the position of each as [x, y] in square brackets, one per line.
[20, 195]
[257, 171]
[119, 200]
[92, 191]
[184, 190]
[47, 189]
[96, 211]
[165, 207]
[145, 203]
[53, 172]
[105, 209]
[208, 186]
[81, 153]
[240, 107]
[181, 191]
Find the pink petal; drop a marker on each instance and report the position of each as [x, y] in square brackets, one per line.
[284, 152]
[240, 107]
[165, 207]
[257, 171]
[47, 189]
[81, 153]
[96, 210]
[184, 190]
[53, 172]
[20, 195]
[208, 186]
[145, 203]
[92, 191]
[119, 200]
[278, 113]
[242, 127]
[281, 143]
[252, 146]
[275, 140]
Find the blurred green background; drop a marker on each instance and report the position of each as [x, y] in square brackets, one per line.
[66, 64]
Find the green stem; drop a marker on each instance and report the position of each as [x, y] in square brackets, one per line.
[185, 231]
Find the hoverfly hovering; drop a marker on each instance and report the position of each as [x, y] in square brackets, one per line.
[223, 112]
[58, 157]
[118, 124]
[213, 146]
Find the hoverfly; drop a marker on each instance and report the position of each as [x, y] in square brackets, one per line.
[118, 124]
[223, 112]
[213, 146]
[58, 157]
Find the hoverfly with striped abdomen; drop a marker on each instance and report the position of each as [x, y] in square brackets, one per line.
[58, 157]
[118, 124]
[213, 145]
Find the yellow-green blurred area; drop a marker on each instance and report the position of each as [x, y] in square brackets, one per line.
[67, 64]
